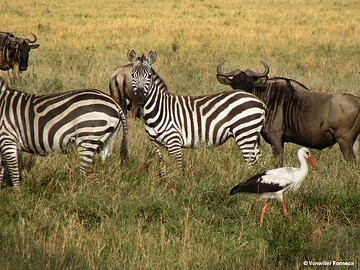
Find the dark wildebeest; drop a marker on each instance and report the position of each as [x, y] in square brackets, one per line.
[312, 119]
[120, 87]
[14, 53]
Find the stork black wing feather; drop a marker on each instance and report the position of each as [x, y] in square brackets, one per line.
[254, 185]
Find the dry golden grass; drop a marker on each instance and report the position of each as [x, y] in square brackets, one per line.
[124, 217]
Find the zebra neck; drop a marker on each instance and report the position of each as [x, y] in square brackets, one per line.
[156, 100]
[159, 83]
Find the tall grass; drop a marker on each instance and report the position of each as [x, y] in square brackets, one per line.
[124, 216]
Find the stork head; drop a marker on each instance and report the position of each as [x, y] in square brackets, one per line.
[305, 153]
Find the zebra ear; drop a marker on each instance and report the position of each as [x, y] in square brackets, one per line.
[131, 56]
[151, 57]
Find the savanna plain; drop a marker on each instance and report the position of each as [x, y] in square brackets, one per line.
[122, 216]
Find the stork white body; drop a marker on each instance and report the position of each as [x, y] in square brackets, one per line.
[273, 183]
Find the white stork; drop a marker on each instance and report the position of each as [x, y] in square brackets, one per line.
[273, 183]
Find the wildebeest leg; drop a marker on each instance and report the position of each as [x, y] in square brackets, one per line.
[12, 76]
[277, 146]
[346, 147]
[347, 131]
[356, 148]
[279, 156]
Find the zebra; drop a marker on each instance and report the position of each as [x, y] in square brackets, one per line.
[86, 119]
[179, 122]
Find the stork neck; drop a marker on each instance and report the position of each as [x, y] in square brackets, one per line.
[303, 165]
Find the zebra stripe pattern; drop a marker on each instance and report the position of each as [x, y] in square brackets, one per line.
[186, 121]
[40, 124]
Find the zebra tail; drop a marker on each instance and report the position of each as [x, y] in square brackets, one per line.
[124, 148]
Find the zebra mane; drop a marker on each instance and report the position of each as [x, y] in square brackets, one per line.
[164, 88]
[141, 58]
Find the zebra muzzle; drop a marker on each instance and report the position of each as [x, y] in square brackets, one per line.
[140, 97]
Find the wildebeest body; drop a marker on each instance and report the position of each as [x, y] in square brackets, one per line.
[120, 87]
[312, 119]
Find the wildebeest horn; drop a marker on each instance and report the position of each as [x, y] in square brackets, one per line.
[256, 74]
[12, 39]
[230, 74]
[31, 41]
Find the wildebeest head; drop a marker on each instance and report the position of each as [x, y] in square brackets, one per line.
[21, 48]
[245, 80]
[141, 74]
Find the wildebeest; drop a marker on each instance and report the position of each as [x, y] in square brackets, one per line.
[120, 87]
[14, 53]
[312, 119]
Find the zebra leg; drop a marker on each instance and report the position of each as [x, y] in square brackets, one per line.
[107, 145]
[249, 149]
[2, 170]
[161, 162]
[87, 153]
[11, 156]
[175, 150]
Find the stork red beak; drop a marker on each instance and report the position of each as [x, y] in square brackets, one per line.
[312, 162]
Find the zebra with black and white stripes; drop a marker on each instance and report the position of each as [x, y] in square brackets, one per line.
[192, 121]
[40, 124]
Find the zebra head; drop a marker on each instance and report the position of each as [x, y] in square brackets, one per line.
[142, 74]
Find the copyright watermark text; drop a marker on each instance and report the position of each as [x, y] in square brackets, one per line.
[328, 263]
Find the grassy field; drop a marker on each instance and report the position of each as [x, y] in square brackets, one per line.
[123, 216]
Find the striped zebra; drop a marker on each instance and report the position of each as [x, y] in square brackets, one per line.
[40, 124]
[192, 121]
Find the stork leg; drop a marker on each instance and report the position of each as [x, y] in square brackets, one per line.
[263, 211]
[284, 208]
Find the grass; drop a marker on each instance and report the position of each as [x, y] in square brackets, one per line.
[125, 217]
